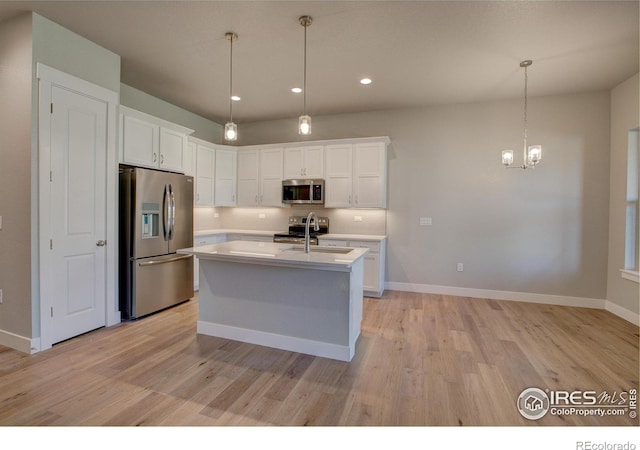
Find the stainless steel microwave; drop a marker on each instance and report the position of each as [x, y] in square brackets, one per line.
[301, 191]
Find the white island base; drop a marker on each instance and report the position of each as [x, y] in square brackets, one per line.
[301, 306]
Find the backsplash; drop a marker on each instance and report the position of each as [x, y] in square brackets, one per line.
[341, 221]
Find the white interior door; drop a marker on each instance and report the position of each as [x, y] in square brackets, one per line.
[77, 213]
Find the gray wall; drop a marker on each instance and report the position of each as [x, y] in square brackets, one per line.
[141, 101]
[539, 231]
[624, 117]
[15, 175]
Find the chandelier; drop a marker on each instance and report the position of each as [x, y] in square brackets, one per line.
[531, 154]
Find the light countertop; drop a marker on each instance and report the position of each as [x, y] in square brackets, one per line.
[277, 254]
[337, 236]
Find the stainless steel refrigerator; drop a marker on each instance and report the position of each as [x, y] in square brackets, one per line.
[156, 219]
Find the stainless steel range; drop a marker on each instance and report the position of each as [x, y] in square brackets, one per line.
[295, 234]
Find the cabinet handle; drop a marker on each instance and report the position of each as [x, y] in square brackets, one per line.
[349, 199]
[101, 243]
[256, 199]
[356, 199]
[261, 199]
[198, 197]
[155, 157]
[161, 159]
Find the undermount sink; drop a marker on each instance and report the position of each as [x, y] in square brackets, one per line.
[339, 251]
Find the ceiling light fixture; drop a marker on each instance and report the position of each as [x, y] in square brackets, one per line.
[296, 90]
[230, 128]
[365, 81]
[533, 153]
[235, 98]
[304, 121]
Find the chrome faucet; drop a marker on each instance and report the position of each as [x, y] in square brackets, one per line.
[316, 227]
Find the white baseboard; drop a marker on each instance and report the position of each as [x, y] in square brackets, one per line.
[624, 313]
[547, 299]
[290, 343]
[20, 343]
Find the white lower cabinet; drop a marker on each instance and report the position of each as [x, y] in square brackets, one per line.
[374, 262]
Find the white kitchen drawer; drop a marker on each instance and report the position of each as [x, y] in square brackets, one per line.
[372, 246]
[332, 243]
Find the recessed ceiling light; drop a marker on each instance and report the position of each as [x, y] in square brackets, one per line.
[365, 81]
[235, 98]
[296, 90]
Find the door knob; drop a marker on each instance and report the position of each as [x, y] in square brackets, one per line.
[101, 243]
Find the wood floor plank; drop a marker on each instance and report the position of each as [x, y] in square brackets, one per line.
[421, 359]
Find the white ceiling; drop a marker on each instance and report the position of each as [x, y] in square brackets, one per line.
[417, 52]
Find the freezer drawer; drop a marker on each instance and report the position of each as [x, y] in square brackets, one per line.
[160, 282]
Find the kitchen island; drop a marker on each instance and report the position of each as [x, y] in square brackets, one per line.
[279, 296]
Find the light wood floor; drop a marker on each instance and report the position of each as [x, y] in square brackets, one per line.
[421, 360]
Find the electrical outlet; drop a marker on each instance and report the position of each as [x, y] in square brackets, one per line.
[426, 221]
[460, 267]
[357, 218]
[262, 216]
[216, 215]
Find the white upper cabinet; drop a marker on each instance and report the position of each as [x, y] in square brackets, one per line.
[189, 158]
[356, 175]
[271, 175]
[260, 177]
[147, 141]
[338, 176]
[205, 172]
[248, 178]
[370, 175]
[304, 162]
[225, 176]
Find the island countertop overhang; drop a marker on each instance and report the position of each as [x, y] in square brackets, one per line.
[278, 254]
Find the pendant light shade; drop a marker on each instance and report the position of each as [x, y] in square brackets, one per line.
[531, 154]
[230, 128]
[304, 121]
[304, 125]
[230, 131]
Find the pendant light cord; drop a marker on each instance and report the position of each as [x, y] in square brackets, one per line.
[304, 78]
[231, 79]
[525, 113]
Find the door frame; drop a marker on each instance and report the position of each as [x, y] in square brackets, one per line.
[47, 78]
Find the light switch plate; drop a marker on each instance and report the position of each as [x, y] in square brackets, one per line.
[357, 218]
[262, 216]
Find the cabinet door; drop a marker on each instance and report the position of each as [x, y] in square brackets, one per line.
[189, 159]
[205, 165]
[172, 144]
[248, 178]
[293, 163]
[338, 176]
[271, 169]
[225, 178]
[371, 264]
[370, 175]
[314, 162]
[140, 142]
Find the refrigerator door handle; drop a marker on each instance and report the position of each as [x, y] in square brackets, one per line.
[172, 217]
[163, 261]
[166, 213]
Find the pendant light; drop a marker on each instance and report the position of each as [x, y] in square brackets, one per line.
[304, 121]
[533, 153]
[230, 128]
